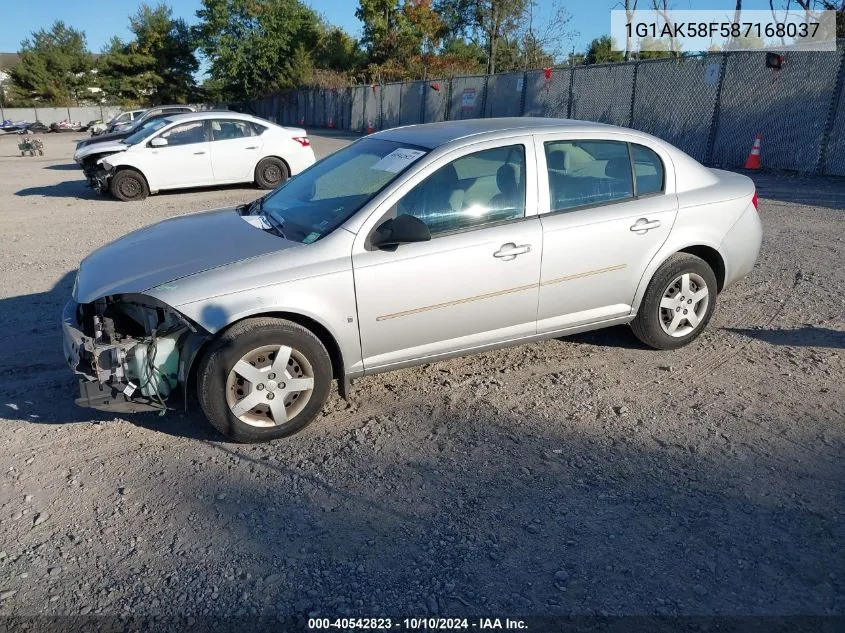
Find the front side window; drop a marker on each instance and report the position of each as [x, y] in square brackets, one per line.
[583, 173]
[474, 190]
[222, 130]
[324, 196]
[185, 134]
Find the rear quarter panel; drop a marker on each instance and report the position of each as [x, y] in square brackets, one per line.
[706, 215]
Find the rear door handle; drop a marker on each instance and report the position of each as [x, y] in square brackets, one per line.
[643, 225]
[509, 251]
[252, 147]
[198, 153]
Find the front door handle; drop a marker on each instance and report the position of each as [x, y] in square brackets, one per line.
[252, 147]
[198, 153]
[509, 251]
[643, 225]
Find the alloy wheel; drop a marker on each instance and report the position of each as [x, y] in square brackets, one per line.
[269, 385]
[684, 305]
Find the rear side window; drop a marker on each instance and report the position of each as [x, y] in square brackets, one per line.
[584, 173]
[649, 170]
[223, 130]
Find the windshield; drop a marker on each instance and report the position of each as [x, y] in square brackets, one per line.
[145, 131]
[323, 197]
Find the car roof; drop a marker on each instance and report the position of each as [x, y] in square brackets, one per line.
[433, 135]
[213, 114]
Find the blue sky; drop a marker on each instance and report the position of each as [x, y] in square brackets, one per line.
[100, 19]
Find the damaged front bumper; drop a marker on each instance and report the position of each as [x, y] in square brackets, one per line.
[129, 355]
[98, 178]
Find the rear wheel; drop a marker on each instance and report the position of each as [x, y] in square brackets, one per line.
[270, 173]
[678, 303]
[263, 379]
[129, 185]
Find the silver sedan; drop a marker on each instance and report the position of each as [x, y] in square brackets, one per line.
[408, 246]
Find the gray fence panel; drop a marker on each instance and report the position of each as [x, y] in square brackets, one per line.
[835, 151]
[320, 118]
[686, 121]
[372, 107]
[504, 95]
[411, 111]
[53, 115]
[110, 111]
[436, 101]
[603, 93]
[391, 103]
[788, 108]
[301, 103]
[547, 97]
[85, 113]
[356, 110]
[467, 101]
[20, 114]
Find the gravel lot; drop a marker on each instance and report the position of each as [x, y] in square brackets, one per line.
[577, 476]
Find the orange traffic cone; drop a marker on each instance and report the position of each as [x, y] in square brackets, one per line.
[753, 160]
[370, 128]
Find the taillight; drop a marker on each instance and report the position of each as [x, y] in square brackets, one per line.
[302, 140]
[754, 200]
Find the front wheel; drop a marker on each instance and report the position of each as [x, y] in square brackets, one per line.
[678, 303]
[129, 185]
[263, 379]
[270, 173]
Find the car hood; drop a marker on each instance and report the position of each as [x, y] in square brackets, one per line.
[171, 250]
[99, 148]
[102, 138]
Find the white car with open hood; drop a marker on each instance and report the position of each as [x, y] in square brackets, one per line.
[201, 149]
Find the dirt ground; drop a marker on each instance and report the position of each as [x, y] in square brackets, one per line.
[582, 476]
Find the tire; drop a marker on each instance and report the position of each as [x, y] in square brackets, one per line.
[129, 185]
[255, 345]
[270, 173]
[686, 312]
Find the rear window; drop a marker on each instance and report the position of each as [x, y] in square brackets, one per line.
[649, 170]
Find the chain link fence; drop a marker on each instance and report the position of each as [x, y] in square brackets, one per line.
[504, 95]
[710, 106]
[467, 98]
[685, 122]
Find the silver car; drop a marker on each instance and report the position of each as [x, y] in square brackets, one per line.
[408, 246]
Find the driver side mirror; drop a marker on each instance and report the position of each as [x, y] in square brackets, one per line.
[403, 229]
[158, 142]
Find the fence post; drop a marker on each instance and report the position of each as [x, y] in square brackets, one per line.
[633, 94]
[423, 100]
[381, 106]
[714, 124]
[484, 97]
[446, 114]
[836, 98]
[571, 94]
[2, 113]
[34, 109]
[522, 93]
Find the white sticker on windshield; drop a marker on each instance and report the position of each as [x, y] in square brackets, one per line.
[398, 159]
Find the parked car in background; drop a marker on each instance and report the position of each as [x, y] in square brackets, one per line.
[408, 246]
[203, 149]
[87, 156]
[121, 119]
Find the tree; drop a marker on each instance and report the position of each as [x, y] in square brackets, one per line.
[601, 51]
[489, 22]
[55, 67]
[252, 45]
[158, 65]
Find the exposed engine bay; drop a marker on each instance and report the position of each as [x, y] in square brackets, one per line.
[131, 351]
